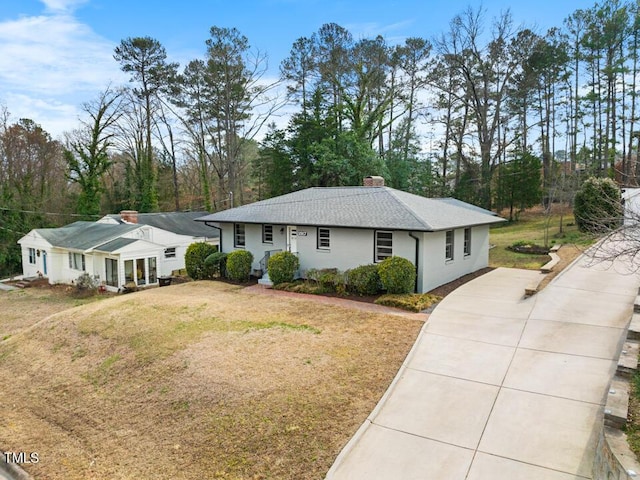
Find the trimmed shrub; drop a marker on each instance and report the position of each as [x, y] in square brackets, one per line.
[239, 265]
[327, 278]
[597, 206]
[194, 260]
[364, 280]
[397, 274]
[216, 263]
[282, 267]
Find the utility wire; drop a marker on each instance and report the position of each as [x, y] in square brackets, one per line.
[15, 210]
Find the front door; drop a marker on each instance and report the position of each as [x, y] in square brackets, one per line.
[44, 263]
[292, 239]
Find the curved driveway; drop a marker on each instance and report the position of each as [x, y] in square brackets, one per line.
[498, 386]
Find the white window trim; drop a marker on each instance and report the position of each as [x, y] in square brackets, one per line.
[237, 235]
[467, 242]
[264, 234]
[446, 245]
[376, 257]
[327, 238]
[73, 264]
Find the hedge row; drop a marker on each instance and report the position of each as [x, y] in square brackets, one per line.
[393, 275]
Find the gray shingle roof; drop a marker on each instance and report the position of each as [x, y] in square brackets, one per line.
[359, 207]
[116, 244]
[182, 223]
[84, 235]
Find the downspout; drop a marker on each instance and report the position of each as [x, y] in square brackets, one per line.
[219, 234]
[415, 287]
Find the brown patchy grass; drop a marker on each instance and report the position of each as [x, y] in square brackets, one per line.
[20, 309]
[192, 381]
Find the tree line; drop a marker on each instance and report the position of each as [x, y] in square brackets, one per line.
[487, 111]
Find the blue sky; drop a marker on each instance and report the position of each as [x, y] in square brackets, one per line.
[57, 54]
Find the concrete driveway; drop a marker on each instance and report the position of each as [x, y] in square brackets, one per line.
[498, 386]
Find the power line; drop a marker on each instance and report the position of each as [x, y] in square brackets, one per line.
[12, 231]
[15, 210]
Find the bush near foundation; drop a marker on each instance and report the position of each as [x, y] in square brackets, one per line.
[238, 265]
[364, 280]
[282, 267]
[397, 274]
[194, 260]
[216, 263]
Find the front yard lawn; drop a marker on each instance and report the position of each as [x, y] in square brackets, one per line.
[192, 381]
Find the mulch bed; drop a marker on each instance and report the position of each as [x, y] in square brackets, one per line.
[447, 288]
[441, 291]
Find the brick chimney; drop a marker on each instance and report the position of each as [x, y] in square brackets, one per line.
[373, 181]
[129, 216]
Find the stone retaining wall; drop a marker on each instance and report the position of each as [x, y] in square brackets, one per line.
[614, 460]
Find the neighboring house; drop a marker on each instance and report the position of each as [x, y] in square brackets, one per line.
[117, 249]
[344, 227]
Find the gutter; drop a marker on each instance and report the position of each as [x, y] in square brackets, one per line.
[208, 224]
[417, 239]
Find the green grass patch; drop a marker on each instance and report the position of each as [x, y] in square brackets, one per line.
[285, 326]
[103, 372]
[413, 302]
[533, 228]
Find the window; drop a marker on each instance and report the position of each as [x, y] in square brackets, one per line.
[238, 235]
[448, 245]
[76, 261]
[267, 233]
[141, 271]
[111, 270]
[324, 238]
[128, 271]
[153, 270]
[384, 245]
[467, 242]
[32, 256]
[170, 252]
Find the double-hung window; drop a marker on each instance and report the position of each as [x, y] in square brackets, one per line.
[448, 245]
[267, 233]
[467, 242]
[32, 256]
[170, 252]
[324, 238]
[76, 261]
[238, 235]
[383, 245]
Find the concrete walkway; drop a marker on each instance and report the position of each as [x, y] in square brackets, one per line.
[501, 387]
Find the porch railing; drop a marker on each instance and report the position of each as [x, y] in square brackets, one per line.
[265, 260]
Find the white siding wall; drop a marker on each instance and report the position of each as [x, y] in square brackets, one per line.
[38, 243]
[438, 271]
[352, 247]
[349, 247]
[253, 240]
[169, 239]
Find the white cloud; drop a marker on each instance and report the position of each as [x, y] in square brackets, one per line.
[60, 116]
[51, 63]
[372, 29]
[62, 5]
